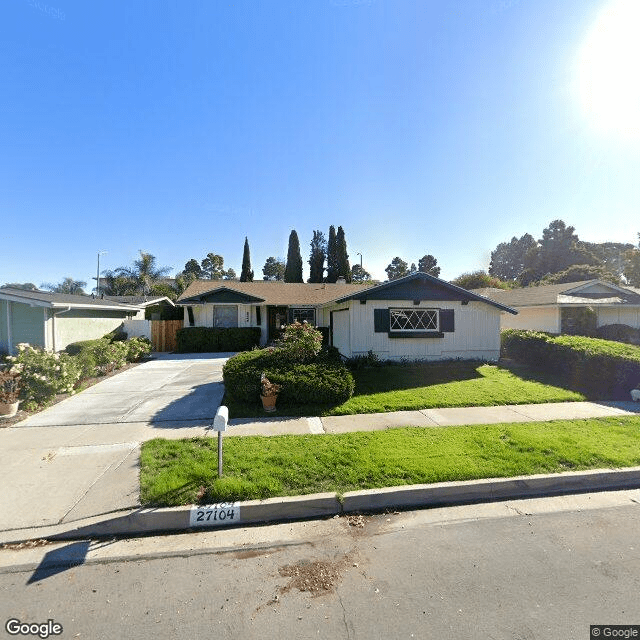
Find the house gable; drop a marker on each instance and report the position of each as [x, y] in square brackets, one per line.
[421, 287]
[222, 296]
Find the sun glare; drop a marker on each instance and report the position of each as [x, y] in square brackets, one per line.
[609, 70]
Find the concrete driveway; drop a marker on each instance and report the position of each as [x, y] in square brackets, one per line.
[80, 457]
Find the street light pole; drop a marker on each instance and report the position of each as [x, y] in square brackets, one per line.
[98, 274]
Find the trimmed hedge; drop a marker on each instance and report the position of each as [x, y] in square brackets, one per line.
[212, 339]
[619, 333]
[599, 368]
[320, 382]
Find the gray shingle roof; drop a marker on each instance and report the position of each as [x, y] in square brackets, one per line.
[48, 299]
[273, 293]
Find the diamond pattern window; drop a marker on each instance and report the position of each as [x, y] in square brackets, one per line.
[414, 320]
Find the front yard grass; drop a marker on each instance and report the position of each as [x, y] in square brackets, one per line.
[175, 472]
[425, 386]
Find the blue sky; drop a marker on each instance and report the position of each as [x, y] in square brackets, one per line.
[435, 126]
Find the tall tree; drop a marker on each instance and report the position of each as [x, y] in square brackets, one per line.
[342, 257]
[632, 266]
[68, 285]
[397, 269]
[559, 248]
[246, 275]
[193, 267]
[359, 275]
[213, 267]
[137, 280]
[332, 256]
[230, 274]
[293, 270]
[508, 259]
[428, 264]
[317, 257]
[479, 280]
[273, 269]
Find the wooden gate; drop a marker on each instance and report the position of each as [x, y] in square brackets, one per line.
[163, 334]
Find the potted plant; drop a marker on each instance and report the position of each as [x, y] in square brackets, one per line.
[9, 392]
[269, 393]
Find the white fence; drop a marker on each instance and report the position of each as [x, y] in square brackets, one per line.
[138, 328]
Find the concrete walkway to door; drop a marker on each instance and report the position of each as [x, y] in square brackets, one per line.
[80, 457]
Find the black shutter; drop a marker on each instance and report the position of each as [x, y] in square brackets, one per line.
[290, 315]
[381, 320]
[258, 316]
[447, 324]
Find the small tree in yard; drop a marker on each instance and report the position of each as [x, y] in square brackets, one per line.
[301, 341]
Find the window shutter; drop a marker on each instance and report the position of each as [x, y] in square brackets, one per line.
[381, 320]
[290, 315]
[447, 324]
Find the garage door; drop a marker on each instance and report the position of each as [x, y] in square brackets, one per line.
[341, 332]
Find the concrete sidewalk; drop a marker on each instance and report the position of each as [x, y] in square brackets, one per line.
[58, 477]
[431, 418]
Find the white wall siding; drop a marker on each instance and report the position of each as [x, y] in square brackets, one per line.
[476, 335]
[618, 315]
[533, 318]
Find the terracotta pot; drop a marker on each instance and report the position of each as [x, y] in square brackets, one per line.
[8, 409]
[269, 403]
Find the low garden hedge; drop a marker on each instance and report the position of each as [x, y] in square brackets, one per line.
[214, 339]
[598, 368]
[323, 381]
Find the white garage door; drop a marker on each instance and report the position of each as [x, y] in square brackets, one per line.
[341, 335]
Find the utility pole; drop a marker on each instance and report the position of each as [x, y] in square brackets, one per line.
[98, 274]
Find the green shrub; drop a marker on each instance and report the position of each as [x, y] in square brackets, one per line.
[369, 359]
[598, 368]
[319, 382]
[213, 339]
[43, 374]
[619, 333]
[138, 348]
[301, 341]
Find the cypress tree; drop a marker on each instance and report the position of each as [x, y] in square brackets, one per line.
[293, 270]
[317, 257]
[342, 257]
[246, 275]
[332, 258]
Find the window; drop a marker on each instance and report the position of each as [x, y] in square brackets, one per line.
[305, 315]
[225, 316]
[414, 320]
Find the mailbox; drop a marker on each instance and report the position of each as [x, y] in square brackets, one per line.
[221, 419]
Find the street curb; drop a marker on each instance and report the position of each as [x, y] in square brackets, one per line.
[172, 519]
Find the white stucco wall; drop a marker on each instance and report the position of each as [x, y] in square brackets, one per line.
[75, 326]
[533, 318]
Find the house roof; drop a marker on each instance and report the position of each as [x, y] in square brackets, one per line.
[268, 292]
[56, 300]
[140, 301]
[422, 286]
[566, 293]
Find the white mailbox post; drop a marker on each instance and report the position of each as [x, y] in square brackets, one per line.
[220, 425]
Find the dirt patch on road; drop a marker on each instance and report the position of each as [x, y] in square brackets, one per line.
[318, 577]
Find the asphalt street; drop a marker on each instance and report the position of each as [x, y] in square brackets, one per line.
[537, 569]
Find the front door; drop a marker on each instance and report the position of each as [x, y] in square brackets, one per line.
[277, 321]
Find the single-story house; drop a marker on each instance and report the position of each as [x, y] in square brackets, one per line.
[150, 307]
[415, 317]
[555, 308]
[54, 320]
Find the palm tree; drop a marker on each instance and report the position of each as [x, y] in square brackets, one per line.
[68, 285]
[137, 280]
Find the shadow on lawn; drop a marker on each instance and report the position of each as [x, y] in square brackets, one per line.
[411, 376]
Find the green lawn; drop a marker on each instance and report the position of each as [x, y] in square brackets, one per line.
[423, 386]
[177, 472]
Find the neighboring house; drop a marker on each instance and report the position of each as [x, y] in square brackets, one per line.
[54, 320]
[150, 307]
[415, 317]
[556, 308]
